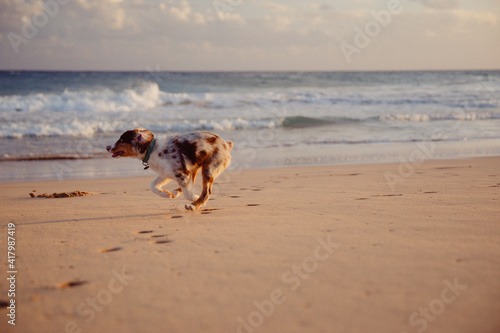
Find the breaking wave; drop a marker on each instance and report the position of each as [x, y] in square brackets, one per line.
[96, 110]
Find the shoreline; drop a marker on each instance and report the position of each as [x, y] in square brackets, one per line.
[248, 158]
[309, 248]
[134, 170]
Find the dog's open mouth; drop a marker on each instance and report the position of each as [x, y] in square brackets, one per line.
[118, 153]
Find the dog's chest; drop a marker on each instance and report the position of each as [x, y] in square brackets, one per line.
[162, 162]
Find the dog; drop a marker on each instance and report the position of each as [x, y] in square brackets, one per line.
[177, 157]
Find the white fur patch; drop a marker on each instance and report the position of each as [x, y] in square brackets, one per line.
[190, 207]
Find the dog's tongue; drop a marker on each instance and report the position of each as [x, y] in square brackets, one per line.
[116, 154]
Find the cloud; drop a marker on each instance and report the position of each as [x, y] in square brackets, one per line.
[258, 34]
[276, 7]
[182, 12]
[476, 17]
[438, 39]
[12, 11]
[109, 13]
[440, 4]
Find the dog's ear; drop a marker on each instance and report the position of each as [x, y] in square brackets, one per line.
[143, 136]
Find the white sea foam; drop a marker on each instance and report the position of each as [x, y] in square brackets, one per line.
[350, 109]
[147, 96]
[462, 116]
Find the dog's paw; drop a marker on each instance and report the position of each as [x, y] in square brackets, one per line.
[164, 194]
[176, 193]
[190, 207]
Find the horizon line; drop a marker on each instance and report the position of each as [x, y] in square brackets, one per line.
[248, 71]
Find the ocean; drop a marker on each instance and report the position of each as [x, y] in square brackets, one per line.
[56, 125]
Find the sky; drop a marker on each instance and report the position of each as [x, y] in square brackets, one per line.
[249, 35]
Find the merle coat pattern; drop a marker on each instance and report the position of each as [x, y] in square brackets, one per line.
[178, 157]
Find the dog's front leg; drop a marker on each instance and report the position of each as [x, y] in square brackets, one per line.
[156, 187]
[186, 187]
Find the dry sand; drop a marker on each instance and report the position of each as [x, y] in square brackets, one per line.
[301, 249]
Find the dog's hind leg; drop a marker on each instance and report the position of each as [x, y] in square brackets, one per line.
[156, 187]
[205, 194]
[209, 172]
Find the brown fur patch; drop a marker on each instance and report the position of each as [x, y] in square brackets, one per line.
[212, 140]
[133, 141]
[194, 174]
[188, 149]
[128, 150]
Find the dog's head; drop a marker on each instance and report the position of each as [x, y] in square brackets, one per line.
[132, 143]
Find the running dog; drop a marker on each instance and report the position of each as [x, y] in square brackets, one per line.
[177, 157]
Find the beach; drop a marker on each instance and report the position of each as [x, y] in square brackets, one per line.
[387, 247]
[362, 193]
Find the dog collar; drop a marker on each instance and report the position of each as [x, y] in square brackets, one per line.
[148, 154]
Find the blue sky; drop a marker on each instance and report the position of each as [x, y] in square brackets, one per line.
[249, 34]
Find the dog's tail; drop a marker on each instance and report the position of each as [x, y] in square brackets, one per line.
[230, 144]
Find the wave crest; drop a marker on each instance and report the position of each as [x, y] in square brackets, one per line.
[146, 96]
